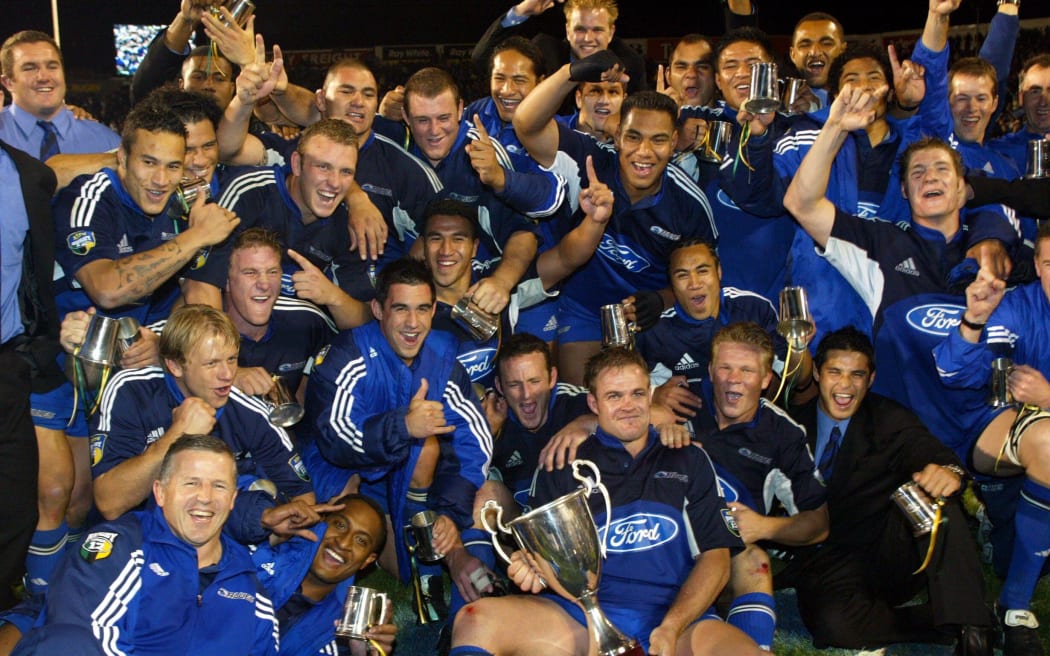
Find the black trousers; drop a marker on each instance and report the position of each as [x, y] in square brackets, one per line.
[18, 472]
[848, 596]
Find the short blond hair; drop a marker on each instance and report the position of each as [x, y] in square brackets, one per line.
[586, 5]
[191, 324]
[747, 333]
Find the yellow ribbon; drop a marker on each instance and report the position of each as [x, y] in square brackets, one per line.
[375, 645]
[933, 536]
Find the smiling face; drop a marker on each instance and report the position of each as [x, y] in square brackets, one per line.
[696, 280]
[934, 189]
[620, 398]
[434, 123]
[973, 100]
[196, 498]
[210, 75]
[449, 249]
[733, 77]
[738, 375]
[37, 81]
[867, 74]
[323, 171]
[1035, 99]
[252, 287]
[599, 104]
[815, 44]
[349, 543]
[208, 372]
[588, 31]
[152, 169]
[526, 384]
[844, 379]
[691, 74]
[645, 142]
[350, 94]
[202, 150]
[512, 78]
[405, 318]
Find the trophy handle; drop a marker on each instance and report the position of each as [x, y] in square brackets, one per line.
[384, 614]
[591, 485]
[492, 504]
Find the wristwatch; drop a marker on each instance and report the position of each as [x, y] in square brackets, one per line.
[957, 470]
[1016, 3]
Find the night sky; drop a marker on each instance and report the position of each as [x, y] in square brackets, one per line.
[87, 24]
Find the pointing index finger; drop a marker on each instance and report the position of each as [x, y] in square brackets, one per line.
[482, 132]
[592, 177]
[304, 264]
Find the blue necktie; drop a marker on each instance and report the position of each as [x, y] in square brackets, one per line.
[831, 449]
[49, 144]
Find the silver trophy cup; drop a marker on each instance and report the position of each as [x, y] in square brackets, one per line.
[480, 324]
[616, 330]
[1000, 396]
[421, 530]
[561, 541]
[917, 506]
[715, 147]
[793, 88]
[796, 323]
[1038, 157]
[285, 411]
[765, 89]
[240, 9]
[364, 608]
[189, 189]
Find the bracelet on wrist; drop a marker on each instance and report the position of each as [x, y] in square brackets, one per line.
[1016, 3]
[957, 470]
[970, 324]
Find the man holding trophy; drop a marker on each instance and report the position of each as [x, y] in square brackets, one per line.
[664, 568]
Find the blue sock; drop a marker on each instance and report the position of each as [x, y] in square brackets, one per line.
[468, 650]
[75, 537]
[45, 552]
[479, 544]
[755, 614]
[1031, 544]
[415, 501]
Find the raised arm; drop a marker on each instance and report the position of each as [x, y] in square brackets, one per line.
[534, 119]
[575, 248]
[255, 82]
[805, 198]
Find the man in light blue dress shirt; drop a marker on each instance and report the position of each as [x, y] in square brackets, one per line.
[34, 76]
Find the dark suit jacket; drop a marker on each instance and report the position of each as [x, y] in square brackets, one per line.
[36, 299]
[884, 445]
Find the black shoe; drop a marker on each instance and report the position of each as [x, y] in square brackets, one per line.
[974, 641]
[1020, 633]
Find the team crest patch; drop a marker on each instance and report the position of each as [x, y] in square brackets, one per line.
[730, 521]
[202, 258]
[319, 358]
[95, 446]
[81, 242]
[296, 463]
[97, 546]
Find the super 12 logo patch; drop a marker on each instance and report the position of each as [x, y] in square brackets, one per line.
[81, 242]
[97, 546]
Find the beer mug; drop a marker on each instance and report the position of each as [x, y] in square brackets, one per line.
[100, 341]
[189, 189]
[285, 411]
[421, 530]
[616, 330]
[917, 506]
[796, 323]
[1000, 396]
[127, 333]
[1038, 154]
[364, 609]
[765, 89]
[715, 147]
[480, 324]
[241, 10]
[793, 88]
